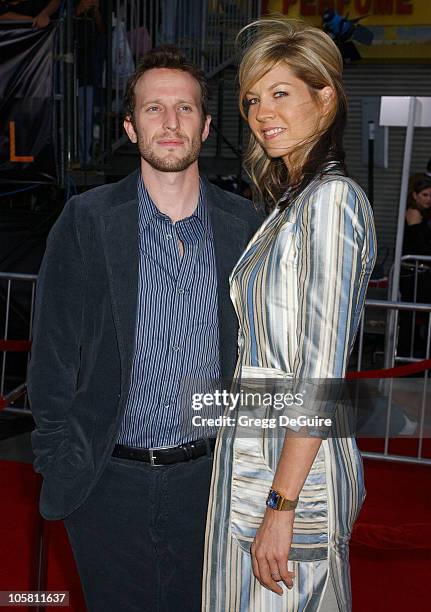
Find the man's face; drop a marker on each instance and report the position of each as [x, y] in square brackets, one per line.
[168, 124]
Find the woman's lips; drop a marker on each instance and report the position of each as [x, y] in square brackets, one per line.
[270, 133]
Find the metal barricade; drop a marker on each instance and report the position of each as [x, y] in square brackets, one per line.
[17, 295]
[387, 385]
[416, 269]
[413, 266]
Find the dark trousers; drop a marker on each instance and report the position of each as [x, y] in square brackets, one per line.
[138, 539]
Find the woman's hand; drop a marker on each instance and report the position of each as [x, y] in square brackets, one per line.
[413, 216]
[270, 550]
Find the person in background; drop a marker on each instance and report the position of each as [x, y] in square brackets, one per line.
[37, 11]
[417, 176]
[282, 508]
[417, 241]
[417, 230]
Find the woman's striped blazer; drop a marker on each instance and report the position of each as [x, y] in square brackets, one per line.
[298, 291]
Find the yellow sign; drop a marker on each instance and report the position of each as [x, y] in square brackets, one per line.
[401, 28]
[373, 12]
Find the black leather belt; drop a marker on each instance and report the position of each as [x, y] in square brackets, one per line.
[166, 455]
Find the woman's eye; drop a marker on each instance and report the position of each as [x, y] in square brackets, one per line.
[251, 101]
[280, 94]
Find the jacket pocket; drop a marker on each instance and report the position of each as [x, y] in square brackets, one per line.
[75, 454]
[65, 451]
[257, 372]
[46, 445]
[255, 457]
[251, 480]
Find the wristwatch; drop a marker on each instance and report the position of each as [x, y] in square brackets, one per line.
[277, 501]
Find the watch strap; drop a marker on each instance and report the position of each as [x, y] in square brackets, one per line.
[277, 501]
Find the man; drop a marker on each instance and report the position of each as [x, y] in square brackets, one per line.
[132, 301]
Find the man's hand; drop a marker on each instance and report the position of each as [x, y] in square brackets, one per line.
[270, 550]
[41, 21]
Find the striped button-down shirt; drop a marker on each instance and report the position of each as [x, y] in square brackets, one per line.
[177, 332]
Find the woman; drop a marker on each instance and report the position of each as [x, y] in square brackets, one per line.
[417, 241]
[417, 230]
[298, 291]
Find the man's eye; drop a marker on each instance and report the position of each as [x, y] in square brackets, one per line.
[186, 108]
[153, 109]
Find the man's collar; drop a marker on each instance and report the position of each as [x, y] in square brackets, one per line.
[148, 210]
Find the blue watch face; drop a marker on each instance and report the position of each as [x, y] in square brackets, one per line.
[272, 500]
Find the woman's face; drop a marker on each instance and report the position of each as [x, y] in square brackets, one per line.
[423, 198]
[282, 112]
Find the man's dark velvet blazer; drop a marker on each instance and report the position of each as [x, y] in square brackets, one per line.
[84, 330]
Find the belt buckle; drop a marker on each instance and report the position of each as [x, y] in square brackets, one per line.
[153, 458]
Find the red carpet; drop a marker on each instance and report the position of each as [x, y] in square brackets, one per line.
[391, 545]
[390, 549]
[19, 487]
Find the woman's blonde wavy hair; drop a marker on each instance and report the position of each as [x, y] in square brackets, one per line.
[314, 58]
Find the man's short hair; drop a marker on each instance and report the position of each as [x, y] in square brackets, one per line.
[165, 56]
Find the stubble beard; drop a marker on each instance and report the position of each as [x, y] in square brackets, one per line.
[170, 164]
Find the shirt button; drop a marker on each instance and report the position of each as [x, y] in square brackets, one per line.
[181, 291]
[166, 406]
[175, 347]
[168, 236]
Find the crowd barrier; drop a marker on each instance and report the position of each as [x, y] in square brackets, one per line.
[417, 269]
[388, 377]
[17, 295]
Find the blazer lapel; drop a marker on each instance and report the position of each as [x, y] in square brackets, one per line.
[121, 246]
[230, 238]
[120, 239]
